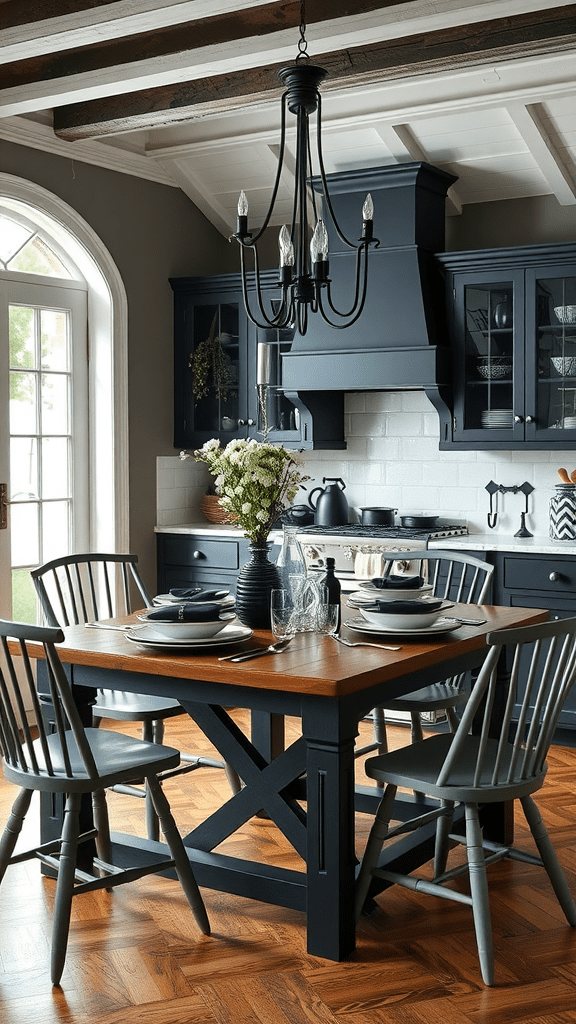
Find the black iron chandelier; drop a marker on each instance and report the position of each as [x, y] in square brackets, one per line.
[303, 277]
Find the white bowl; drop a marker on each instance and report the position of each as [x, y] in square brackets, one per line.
[187, 630]
[566, 314]
[423, 614]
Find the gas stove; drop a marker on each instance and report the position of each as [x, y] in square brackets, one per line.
[359, 552]
[356, 530]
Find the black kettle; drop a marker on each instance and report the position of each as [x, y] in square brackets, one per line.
[331, 508]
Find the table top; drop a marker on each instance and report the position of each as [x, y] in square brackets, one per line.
[311, 664]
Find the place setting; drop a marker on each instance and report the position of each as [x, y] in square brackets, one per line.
[399, 605]
[189, 618]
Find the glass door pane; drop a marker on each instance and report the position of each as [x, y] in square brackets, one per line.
[214, 363]
[555, 320]
[489, 356]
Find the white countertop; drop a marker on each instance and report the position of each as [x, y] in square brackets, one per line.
[507, 542]
[493, 541]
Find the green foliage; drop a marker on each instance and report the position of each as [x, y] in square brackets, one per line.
[256, 482]
[21, 355]
[209, 358]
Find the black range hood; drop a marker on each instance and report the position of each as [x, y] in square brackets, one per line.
[400, 340]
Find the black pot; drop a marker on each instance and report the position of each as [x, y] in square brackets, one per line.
[417, 522]
[378, 516]
[298, 515]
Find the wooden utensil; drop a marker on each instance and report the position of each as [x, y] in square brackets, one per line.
[564, 476]
[573, 476]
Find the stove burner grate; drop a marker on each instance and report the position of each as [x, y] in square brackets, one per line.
[399, 532]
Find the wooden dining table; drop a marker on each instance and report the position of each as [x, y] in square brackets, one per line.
[306, 788]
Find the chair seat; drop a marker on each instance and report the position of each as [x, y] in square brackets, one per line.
[417, 767]
[429, 698]
[134, 707]
[118, 759]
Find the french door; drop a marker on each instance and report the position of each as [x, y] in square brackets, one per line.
[44, 445]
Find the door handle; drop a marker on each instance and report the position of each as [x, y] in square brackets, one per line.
[4, 507]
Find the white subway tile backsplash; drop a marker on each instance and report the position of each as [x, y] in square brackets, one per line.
[392, 460]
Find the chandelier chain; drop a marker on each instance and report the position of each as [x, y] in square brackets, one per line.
[302, 44]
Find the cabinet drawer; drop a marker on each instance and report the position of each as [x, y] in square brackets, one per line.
[201, 552]
[536, 573]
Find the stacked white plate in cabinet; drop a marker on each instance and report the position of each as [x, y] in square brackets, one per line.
[498, 418]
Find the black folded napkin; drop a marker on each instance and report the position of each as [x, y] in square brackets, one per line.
[398, 582]
[196, 594]
[404, 607]
[186, 613]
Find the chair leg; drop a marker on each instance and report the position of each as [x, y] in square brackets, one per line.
[378, 834]
[453, 720]
[181, 862]
[441, 848]
[549, 858]
[479, 892]
[13, 828]
[416, 727]
[152, 823]
[380, 734]
[102, 825]
[65, 885]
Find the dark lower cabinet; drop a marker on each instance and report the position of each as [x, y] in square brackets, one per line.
[195, 560]
[539, 581]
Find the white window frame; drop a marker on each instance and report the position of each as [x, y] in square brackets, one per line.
[36, 291]
[108, 362]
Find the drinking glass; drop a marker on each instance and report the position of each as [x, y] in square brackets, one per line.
[327, 617]
[282, 613]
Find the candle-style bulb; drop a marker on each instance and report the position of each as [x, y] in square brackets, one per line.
[242, 205]
[286, 247]
[319, 243]
[368, 208]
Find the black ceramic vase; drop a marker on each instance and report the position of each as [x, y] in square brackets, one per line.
[255, 581]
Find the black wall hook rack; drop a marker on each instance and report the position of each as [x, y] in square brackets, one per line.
[495, 489]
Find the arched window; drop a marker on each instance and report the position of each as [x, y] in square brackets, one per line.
[63, 436]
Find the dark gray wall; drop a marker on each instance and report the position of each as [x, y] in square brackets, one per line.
[153, 232]
[537, 220]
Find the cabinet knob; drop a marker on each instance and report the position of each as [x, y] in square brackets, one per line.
[518, 419]
[529, 419]
[197, 554]
[246, 423]
[554, 577]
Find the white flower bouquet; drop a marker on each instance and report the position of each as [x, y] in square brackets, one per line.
[255, 480]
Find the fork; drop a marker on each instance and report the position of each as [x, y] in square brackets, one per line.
[272, 649]
[364, 643]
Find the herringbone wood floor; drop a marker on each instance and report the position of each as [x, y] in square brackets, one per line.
[136, 957]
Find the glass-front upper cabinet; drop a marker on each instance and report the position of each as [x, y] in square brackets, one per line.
[551, 320]
[211, 391]
[512, 317]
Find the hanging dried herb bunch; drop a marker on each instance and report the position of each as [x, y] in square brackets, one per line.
[210, 358]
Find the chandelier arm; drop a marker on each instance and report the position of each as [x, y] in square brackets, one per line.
[327, 200]
[349, 312]
[276, 322]
[258, 236]
[309, 183]
[355, 315]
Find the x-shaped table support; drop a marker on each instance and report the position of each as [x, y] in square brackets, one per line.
[266, 784]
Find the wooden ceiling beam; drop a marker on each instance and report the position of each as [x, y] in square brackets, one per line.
[497, 40]
[136, 38]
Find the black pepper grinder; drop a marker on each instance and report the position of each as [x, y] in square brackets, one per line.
[332, 584]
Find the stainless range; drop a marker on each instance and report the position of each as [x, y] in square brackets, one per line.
[359, 552]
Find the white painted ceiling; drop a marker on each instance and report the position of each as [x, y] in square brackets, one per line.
[506, 128]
